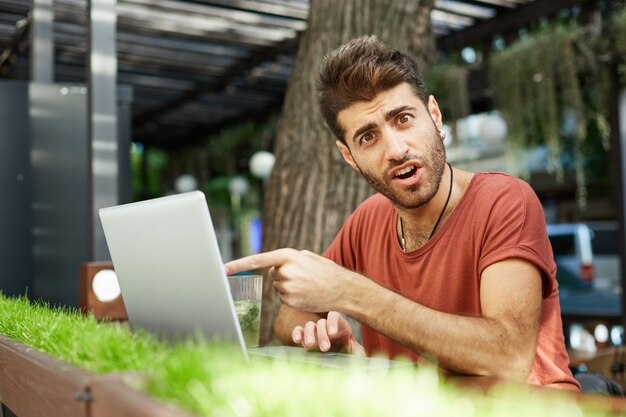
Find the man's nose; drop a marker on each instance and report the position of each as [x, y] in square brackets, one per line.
[396, 147]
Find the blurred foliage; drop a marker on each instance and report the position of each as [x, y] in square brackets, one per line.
[552, 88]
[216, 191]
[230, 149]
[618, 39]
[156, 161]
[228, 154]
[450, 84]
[212, 162]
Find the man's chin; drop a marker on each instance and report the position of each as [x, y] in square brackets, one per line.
[406, 203]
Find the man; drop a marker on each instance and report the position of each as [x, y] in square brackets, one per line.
[441, 262]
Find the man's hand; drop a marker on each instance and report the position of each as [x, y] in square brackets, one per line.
[304, 280]
[332, 332]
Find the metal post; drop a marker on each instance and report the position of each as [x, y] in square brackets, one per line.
[621, 131]
[42, 42]
[102, 119]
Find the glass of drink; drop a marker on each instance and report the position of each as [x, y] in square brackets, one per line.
[247, 292]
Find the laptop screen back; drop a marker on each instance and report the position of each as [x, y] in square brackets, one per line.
[169, 267]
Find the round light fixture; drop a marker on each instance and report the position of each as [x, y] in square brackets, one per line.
[617, 335]
[238, 185]
[261, 164]
[601, 333]
[469, 55]
[186, 183]
[105, 285]
[576, 336]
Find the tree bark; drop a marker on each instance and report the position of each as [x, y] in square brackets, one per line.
[311, 190]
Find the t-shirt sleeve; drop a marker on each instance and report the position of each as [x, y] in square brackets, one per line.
[341, 250]
[516, 228]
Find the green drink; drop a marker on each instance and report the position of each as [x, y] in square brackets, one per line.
[249, 315]
[246, 291]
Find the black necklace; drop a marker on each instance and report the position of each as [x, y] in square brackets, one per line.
[445, 206]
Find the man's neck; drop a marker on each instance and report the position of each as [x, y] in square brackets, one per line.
[417, 224]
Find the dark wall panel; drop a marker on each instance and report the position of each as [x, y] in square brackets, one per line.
[15, 240]
[61, 190]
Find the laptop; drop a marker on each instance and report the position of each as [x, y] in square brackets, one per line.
[172, 276]
[170, 269]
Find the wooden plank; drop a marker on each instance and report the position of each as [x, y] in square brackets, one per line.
[113, 397]
[34, 384]
[506, 21]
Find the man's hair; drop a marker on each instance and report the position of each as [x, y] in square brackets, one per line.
[360, 70]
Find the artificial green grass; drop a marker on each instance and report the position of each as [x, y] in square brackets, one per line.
[77, 339]
[215, 380]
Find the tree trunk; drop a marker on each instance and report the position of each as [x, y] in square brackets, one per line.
[311, 190]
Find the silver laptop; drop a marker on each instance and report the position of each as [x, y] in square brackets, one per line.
[170, 269]
[173, 281]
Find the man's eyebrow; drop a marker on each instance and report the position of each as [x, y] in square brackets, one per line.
[363, 129]
[390, 114]
[393, 112]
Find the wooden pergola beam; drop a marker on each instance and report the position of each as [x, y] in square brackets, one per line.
[505, 22]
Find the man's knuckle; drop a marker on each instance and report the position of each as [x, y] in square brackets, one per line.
[290, 252]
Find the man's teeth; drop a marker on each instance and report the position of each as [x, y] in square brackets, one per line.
[405, 171]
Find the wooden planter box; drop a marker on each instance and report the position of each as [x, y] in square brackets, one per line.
[112, 397]
[34, 384]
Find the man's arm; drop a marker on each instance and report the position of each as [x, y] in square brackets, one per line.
[501, 343]
[287, 319]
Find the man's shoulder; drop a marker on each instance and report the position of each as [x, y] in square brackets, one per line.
[503, 196]
[496, 177]
[374, 208]
[498, 183]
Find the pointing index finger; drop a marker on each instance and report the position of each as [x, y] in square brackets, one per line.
[258, 261]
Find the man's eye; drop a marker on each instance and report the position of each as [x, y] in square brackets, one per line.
[404, 118]
[367, 138]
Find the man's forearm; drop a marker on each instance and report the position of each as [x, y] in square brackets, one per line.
[473, 345]
[287, 319]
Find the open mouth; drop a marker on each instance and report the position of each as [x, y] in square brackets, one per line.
[405, 173]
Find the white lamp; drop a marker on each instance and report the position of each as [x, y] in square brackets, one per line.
[493, 129]
[105, 286]
[186, 183]
[99, 291]
[261, 164]
[238, 185]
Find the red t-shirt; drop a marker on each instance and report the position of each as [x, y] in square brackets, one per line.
[499, 217]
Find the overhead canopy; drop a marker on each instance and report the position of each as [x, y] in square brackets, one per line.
[197, 66]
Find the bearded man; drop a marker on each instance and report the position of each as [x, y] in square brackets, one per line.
[441, 262]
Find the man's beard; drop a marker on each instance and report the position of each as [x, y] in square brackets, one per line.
[433, 164]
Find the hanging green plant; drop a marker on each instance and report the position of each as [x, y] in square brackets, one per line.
[449, 81]
[618, 38]
[551, 91]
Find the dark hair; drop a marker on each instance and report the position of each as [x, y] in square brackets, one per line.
[360, 70]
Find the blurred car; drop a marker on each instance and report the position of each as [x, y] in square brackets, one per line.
[573, 254]
[583, 274]
[606, 258]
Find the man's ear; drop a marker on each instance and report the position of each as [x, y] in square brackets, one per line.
[347, 156]
[435, 112]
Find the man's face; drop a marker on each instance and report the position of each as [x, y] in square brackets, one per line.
[393, 141]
